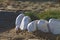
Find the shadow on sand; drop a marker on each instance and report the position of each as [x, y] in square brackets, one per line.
[44, 36]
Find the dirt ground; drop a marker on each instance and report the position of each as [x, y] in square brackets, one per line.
[24, 35]
[32, 6]
[10, 33]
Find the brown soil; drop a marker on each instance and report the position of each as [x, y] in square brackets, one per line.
[30, 5]
[24, 35]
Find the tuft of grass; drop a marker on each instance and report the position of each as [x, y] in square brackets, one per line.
[33, 16]
[50, 14]
[45, 15]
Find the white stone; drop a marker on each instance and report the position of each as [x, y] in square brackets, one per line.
[54, 25]
[42, 25]
[25, 22]
[18, 21]
[32, 26]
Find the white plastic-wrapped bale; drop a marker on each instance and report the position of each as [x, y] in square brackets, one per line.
[54, 25]
[32, 26]
[18, 21]
[42, 25]
[25, 22]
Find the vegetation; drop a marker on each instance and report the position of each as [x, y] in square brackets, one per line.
[33, 16]
[45, 15]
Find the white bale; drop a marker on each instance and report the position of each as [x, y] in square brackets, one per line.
[32, 26]
[18, 21]
[54, 25]
[43, 25]
[25, 22]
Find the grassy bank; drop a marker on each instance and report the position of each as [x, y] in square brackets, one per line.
[45, 15]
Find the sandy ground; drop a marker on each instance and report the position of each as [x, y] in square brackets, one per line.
[24, 35]
[10, 33]
[33, 6]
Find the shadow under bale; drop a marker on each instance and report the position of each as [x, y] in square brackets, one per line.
[44, 36]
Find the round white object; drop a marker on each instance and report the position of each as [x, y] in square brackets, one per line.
[25, 22]
[32, 26]
[43, 25]
[18, 21]
[54, 25]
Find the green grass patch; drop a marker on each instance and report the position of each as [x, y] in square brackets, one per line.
[45, 15]
[33, 16]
